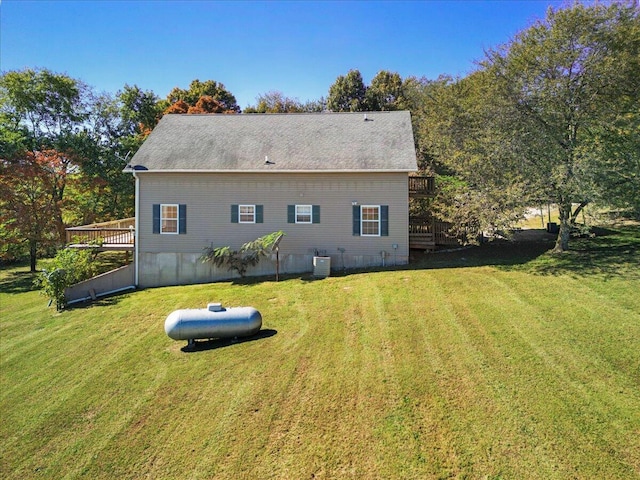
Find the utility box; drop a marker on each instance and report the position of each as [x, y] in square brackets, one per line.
[321, 267]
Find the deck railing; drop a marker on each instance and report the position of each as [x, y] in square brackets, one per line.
[116, 232]
[422, 186]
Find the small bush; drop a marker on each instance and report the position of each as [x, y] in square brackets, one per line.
[69, 267]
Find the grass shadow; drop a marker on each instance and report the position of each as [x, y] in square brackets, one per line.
[496, 253]
[17, 282]
[106, 301]
[607, 253]
[214, 344]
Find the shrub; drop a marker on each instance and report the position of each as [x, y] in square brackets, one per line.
[69, 267]
[249, 254]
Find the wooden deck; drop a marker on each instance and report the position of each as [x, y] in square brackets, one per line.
[421, 186]
[105, 236]
[425, 233]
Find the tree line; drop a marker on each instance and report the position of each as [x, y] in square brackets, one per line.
[551, 116]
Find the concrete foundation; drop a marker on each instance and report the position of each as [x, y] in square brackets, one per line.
[161, 269]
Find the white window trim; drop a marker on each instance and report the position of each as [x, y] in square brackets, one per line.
[163, 218]
[240, 214]
[363, 221]
[310, 207]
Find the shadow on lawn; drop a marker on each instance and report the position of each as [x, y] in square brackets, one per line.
[496, 253]
[606, 254]
[203, 346]
[105, 301]
[17, 282]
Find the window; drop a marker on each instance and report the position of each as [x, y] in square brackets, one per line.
[169, 218]
[247, 213]
[303, 214]
[370, 221]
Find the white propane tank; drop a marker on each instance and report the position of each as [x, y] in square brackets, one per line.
[215, 321]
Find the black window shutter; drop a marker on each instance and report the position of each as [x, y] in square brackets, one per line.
[384, 220]
[356, 220]
[234, 214]
[182, 219]
[156, 218]
[259, 214]
[291, 214]
[315, 217]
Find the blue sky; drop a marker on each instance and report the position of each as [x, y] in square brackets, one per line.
[296, 47]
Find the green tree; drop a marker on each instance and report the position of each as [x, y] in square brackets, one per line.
[100, 190]
[348, 93]
[139, 110]
[551, 116]
[275, 102]
[386, 92]
[51, 106]
[569, 97]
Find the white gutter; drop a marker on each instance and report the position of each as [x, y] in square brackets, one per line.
[136, 242]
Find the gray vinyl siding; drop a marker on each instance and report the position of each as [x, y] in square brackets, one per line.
[208, 197]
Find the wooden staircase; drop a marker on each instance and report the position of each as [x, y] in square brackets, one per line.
[422, 241]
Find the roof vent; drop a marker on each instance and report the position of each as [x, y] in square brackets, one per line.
[366, 119]
[267, 161]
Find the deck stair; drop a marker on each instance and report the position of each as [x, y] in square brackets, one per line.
[422, 241]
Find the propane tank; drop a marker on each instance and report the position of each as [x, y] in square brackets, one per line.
[215, 321]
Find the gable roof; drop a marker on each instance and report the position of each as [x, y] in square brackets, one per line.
[375, 141]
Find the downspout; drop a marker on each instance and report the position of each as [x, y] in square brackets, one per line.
[136, 233]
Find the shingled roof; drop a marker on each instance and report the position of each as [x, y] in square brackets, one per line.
[375, 141]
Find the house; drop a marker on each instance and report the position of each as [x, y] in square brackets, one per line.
[335, 183]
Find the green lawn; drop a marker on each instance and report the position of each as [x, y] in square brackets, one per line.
[493, 362]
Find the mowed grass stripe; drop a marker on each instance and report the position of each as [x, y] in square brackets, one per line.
[461, 396]
[561, 370]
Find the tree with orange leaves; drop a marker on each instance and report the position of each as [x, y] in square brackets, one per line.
[207, 104]
[179, 107]
[29, 211]
[201, 97]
